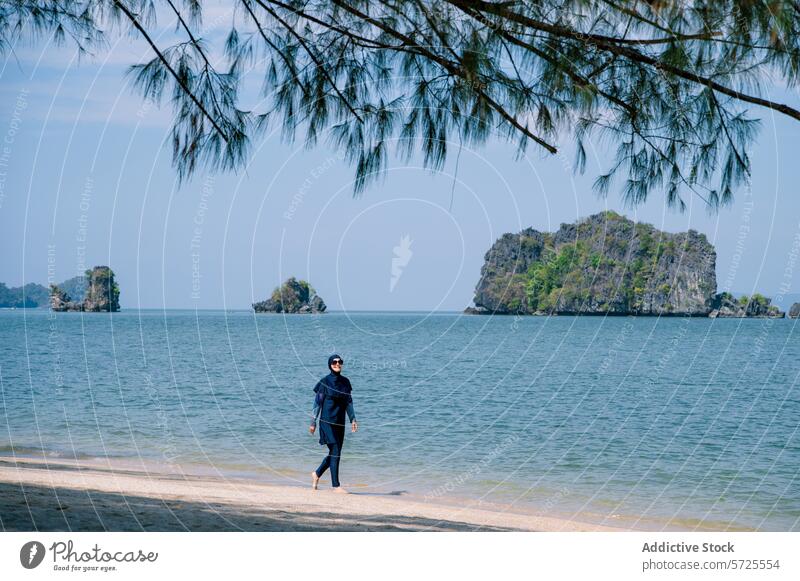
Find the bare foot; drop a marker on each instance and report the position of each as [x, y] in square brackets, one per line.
[340, 490]
[314, 480]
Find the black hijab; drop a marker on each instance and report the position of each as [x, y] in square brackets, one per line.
[334, 384]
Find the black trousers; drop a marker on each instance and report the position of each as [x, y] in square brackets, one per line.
[331, 461]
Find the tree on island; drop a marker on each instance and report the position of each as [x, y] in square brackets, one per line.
[666, 84]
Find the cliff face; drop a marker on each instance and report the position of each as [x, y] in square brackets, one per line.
[101, 293]
[60, 301]
[293, 296]
[605, 264]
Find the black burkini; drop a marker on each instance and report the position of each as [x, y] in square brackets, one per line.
[333, 396]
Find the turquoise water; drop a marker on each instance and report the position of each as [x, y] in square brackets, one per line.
[645, 422]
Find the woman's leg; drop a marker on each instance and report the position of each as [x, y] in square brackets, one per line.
[326, 461]
[335, 455]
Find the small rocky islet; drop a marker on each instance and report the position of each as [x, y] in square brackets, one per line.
[100, 293]
[293, 296]
[607, 264]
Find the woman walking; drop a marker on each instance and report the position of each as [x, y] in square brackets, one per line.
[331, 402]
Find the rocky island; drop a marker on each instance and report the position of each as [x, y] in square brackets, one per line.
[100, 293]
[607, 264]
[293, 296]
[758, 306]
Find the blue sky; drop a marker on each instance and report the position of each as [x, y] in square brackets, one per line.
[87, 179]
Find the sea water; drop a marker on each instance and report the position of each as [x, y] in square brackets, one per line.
[640, 422]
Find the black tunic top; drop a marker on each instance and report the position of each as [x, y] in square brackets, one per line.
[333, 398]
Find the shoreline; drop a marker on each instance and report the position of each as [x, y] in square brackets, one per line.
[82, 495]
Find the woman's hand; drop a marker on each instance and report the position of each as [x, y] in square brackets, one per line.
[312, 428]
[354, 426]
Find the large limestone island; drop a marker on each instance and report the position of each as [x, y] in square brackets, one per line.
[293, 296]
[100, 293]
[607, 264]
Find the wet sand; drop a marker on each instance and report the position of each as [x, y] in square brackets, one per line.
[71, 495]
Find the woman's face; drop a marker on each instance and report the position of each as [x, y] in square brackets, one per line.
[336, 364]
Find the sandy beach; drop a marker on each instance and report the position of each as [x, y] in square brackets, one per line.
[70, 495]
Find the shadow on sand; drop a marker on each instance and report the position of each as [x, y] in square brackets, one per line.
[39, 508]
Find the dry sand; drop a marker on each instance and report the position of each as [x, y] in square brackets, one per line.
[69, 495]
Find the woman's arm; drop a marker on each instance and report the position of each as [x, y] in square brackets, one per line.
[351, 413]
[316, 411]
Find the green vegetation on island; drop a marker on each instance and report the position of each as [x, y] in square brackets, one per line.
[30, 296]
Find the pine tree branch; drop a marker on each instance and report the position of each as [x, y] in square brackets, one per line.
[313, 57]
[610, 44]
[169, 68]
[453, 68]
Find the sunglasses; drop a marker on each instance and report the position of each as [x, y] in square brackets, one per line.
[337, 362]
